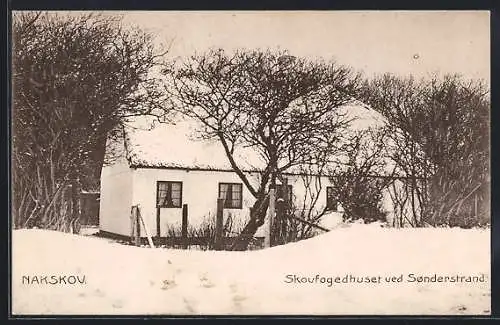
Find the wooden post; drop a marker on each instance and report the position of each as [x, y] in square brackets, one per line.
[475, 206]
[146, 231]
[279, 218]
[218, 224]
[137, 227]
[158, 227]
[284, 211]
[270, 217]
[75, 206]
[291, 216]
[132, 224]
[184, 226]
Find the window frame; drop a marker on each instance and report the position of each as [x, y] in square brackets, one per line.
[158, 183]
[240, 206]
[329, 206]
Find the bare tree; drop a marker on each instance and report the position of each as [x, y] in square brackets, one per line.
[75, 78]
[358, 183]
[440, 126]
[282, 107]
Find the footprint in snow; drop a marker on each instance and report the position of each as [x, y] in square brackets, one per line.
[117, 304]
[237, 298]
[189, 306]
[168, 284]
[205, 282]
[99, 293]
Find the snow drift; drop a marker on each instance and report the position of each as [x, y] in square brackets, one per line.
[299, 278]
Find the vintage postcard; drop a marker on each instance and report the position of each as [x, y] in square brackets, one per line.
[250, 163]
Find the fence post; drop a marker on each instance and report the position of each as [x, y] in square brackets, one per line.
[75, 204]
[184, 226]
[270, 214]
[145, 227]
[282, 232]
[158, 219]
[475, 205]
[138, 227]
[132, 224]
[218, 224]
[279, 218]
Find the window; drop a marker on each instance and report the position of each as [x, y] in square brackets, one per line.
[169, 194]
[331, 202]
[232, 195]
[280, 194]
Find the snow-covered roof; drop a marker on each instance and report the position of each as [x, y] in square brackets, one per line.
[179, 145]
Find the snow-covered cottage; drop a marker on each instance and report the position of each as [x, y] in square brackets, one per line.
[166, 167]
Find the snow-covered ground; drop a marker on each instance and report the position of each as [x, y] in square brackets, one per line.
[120, 279]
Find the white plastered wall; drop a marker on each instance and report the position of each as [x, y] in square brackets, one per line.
[116, 196]
[199, 192]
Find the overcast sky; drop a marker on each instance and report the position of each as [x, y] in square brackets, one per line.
[374, 42]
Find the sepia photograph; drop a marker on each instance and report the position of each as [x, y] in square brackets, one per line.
[182, 163]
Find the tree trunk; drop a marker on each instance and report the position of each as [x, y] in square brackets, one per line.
[257, 218]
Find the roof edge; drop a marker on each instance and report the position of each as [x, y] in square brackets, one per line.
[143, 166]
